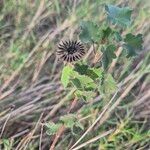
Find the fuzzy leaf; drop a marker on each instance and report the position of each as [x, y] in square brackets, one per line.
[84, 79]
[65, 77]
[85, 95]
[86, 82]
[133, 43]
[119, 16]
[81, 68]
[89, 32]
[109, 85]
[110, 34]
[107, 31]
[93, 73]
[88, 95]
[108, 55]
[52, 128]
[69, 120]
[97, 71]
[76, 82]
[117, 36]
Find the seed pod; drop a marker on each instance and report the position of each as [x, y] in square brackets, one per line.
[70, 51]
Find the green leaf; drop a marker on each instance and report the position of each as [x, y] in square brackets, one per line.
[84, 79]
[86, 82]
[69, 120]
[89, 32]
[109, 35]
[65, 77]
[119, 16]
[52, 128]
[7, 144]
[102, 78]
[85, 95]
[108, 55]
[81, 68]
[78, 93]
[133, 43]
[106, 32]
[117, 36]
[93, 73]
[88, 95]
[97, 71]
[109, 85]
[76, 82]
[134, 40]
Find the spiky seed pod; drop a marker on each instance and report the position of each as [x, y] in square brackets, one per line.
[70, 51]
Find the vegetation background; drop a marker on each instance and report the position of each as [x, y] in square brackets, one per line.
[31, 93]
